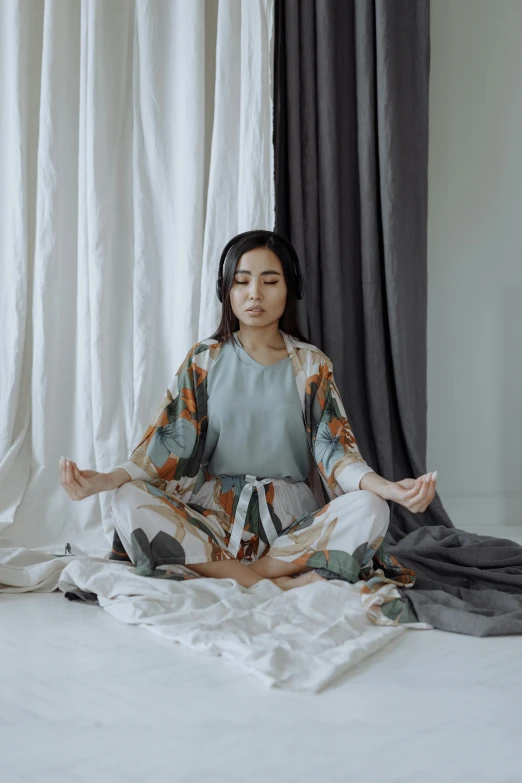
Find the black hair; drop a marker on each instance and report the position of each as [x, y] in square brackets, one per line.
[261, 238]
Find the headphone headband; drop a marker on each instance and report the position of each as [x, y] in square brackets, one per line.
[296, 271]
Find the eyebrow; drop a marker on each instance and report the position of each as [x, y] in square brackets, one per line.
[266, 272]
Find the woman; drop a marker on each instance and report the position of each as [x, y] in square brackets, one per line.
[220, 483]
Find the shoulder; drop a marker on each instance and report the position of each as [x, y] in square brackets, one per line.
[309, 353]
[202, 353]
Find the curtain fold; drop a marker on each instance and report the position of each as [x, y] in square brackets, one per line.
[136, 142]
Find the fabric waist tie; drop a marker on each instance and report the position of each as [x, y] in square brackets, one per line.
[241, 510]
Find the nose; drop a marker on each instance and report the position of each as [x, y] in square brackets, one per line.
[254, 290]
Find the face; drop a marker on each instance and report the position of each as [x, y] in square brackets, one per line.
[259, 282]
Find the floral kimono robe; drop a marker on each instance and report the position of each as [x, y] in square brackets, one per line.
[167, 464]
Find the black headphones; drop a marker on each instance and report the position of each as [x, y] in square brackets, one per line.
[298, 276]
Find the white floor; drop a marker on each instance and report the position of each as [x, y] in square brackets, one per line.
[85, 698]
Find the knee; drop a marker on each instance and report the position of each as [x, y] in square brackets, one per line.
[121, 494]
[266, 567]
[376, 505]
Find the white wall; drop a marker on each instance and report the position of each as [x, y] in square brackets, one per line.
[475, 260]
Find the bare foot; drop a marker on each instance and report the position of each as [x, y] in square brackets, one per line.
[288, 582]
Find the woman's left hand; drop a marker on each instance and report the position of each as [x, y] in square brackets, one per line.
[413, 494]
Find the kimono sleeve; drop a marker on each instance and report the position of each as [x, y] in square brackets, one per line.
[335, 447]
[170, 440]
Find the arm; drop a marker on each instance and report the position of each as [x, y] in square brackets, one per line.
[335, 447]
[339, 459]
[171, 437]
[165, 449]
[80, 484]
[117, 477]
[377, 484]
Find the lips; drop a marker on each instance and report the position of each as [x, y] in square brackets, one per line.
[255, 310]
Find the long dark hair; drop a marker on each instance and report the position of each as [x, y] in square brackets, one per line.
[260, 238]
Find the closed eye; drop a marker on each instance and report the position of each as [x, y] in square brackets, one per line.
[244, 282]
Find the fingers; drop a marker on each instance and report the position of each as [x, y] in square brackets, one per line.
[78, 476]
[69, 480]
[409, 493]
[416, 493]
[420, 501]
[425, 494]
[417, 500]
[431, 495]
[419, 496]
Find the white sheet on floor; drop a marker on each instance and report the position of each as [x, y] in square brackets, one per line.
[31, 570]
[300, 639]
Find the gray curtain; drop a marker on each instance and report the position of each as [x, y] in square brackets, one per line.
[351, 165]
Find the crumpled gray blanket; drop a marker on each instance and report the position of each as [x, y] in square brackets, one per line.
[465, 582]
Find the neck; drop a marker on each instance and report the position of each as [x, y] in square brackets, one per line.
[259, 338]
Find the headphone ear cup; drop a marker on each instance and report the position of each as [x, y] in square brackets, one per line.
[219, 281]
[222, 260]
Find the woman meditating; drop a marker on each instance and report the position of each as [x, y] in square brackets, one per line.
[220, 484]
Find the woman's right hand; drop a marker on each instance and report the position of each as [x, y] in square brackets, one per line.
[80, 484]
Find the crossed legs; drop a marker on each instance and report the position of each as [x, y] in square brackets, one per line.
[266, 568]
[360, 517]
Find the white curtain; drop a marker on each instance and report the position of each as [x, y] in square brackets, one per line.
[136, 141]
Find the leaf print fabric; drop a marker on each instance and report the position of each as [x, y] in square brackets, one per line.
[342, 538]
[177, 438]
